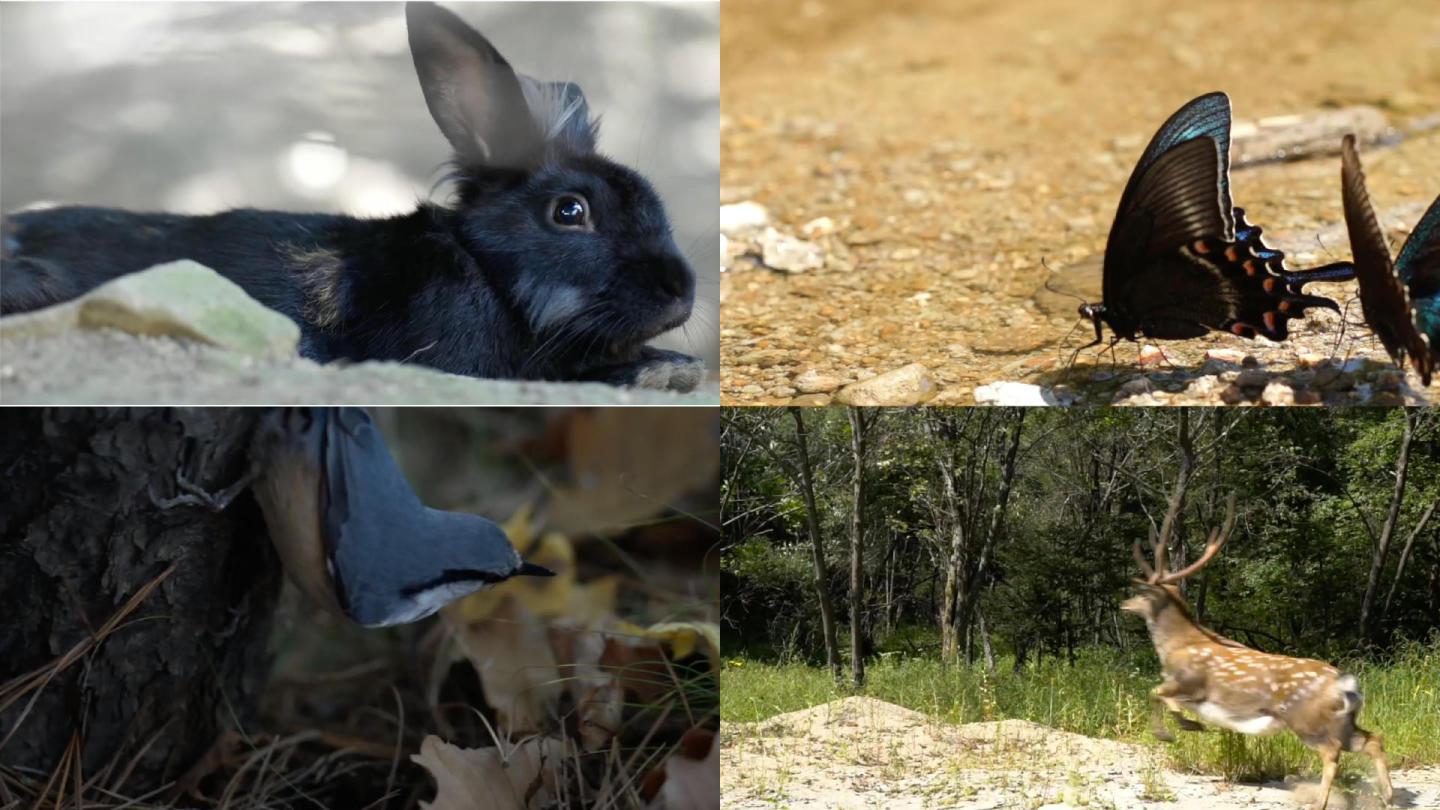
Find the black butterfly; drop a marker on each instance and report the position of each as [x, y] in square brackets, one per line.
[1180, 260]
[1401, 300]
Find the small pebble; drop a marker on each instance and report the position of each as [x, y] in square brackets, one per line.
[1150, 355]
[818, 227]
[1232, 395]
[782, 252]
[1252, 378]
[813, 382]
[1226, 356]
[1278, 393]
[1136, 386]
[742, 216]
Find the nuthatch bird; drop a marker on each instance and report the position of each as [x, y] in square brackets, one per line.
[351, 532]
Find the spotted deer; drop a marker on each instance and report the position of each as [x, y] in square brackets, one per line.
[1225, 683]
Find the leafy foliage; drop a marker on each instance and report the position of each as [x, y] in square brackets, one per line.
[1315, 487]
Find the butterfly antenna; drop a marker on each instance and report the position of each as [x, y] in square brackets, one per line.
[1047, 286]
[1066, 339]
[1071, 363]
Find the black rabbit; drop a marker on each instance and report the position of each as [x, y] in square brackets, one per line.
[555, 262]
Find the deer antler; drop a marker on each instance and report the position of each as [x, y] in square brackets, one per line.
[1157, 575]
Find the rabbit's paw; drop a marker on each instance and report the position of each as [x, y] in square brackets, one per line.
[660, 369]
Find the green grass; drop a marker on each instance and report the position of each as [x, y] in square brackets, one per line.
[1104, 695]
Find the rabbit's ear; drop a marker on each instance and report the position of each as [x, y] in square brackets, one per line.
[560, 111]
[473, 94]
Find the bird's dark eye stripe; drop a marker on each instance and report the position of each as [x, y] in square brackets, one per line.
[453, 575]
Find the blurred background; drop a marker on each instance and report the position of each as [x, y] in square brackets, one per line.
[199, 107]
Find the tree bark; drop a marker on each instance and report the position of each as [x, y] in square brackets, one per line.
[821, 578]
[970, 594]
[79, 535]
[985, 642]
[858, 424]
[1382, 545]
[1405, 555]
[949, 638]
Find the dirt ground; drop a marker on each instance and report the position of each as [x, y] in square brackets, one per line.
[860, 753]
[955, 146]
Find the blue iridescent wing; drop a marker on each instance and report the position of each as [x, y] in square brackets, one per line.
[1207, 116]
[1419, 261]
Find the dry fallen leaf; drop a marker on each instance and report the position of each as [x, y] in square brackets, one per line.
[690, 779]
[519, 777]
[511, 653]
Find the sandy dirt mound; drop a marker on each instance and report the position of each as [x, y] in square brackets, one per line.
[860, 752]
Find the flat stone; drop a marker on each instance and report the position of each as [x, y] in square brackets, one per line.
[814, 400]
[181, 299]
[907, 385]
[1314, 133]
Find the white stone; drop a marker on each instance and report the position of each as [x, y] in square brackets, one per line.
[742, 216]
[782, 252]
[1015, 393]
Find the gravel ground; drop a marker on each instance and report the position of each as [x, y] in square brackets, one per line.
[117, 368]
[944, 159]
[860, 752]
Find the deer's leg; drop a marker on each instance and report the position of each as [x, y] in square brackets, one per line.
[1157, 716]
[1165, 694]
[1330, 756]
[1373, 743]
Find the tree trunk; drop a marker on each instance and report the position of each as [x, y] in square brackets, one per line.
[1382, 545]
[985, 642]
[80, 535]
[1405, 555]
[970, 592]
[857, 545]
[949, 638]
[821, 578]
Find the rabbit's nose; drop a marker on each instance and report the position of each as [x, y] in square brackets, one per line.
[675, 277]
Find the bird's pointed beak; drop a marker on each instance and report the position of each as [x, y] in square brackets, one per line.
[529, 569]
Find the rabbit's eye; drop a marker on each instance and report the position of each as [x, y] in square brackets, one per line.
[570, 211]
